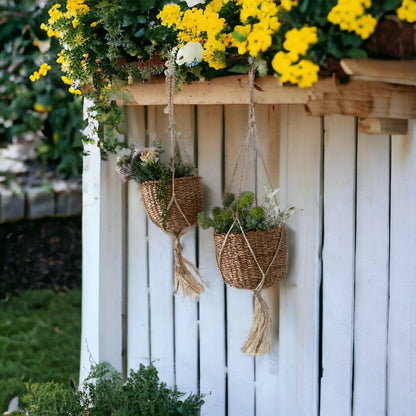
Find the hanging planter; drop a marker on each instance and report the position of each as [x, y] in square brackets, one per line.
[182, 213]
[171, 192]
[242, 257]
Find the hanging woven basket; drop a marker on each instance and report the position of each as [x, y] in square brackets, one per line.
[237, 265]
[188, 193]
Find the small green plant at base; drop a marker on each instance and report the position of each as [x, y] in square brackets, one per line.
[144, 165]
[240, 210]
[104, 393]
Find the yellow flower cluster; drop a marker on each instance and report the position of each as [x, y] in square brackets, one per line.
[407, 11]
[197, 25]
[288, 4]
[74, 9]
[43, 70]
[289, 65]
[351, 16]
[255, 38]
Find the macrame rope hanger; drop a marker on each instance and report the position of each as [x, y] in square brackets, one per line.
[258, 340]
[186, 274]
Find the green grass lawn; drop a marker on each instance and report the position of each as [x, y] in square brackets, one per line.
[40, 334]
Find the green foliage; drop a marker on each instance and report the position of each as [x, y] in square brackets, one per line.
[238, 214]
[144, 165]
[44, 110]
[105, 393]
[223, 219]
[50, 399]
[40, 335]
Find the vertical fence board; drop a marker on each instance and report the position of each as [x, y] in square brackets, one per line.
[402, 312]
[186, 325]
[239, 302]
[338, 265]
[161, 275]
[371, 294]
[267, 381]
[211, 304]
[299, 292]
[138, 348]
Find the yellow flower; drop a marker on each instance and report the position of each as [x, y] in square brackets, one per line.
[297, 41]
[350, 15]
[407, 11]
[258, 41]
[170, 15]
[93, 24]
[54, 13]
[74, 91]
[66, 80]
[41, 109]
[288, 4]
[35, 76]
[44, 68]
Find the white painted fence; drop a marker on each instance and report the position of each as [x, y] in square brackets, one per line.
[344, 319]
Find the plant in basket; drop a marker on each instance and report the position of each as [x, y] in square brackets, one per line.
[251, 252]
[172, 195]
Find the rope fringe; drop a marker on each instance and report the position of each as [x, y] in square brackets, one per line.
[259, 340]
[186, 273]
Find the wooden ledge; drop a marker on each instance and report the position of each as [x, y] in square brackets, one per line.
[397, 72]
[359, 98]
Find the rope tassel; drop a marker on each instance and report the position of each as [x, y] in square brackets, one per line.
[186, 273]
[259, 339]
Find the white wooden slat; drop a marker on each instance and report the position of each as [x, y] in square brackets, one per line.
[186, 317]
[102, 282]
[161, 275]
[402, 312]
[211, 304]
[138, 348]
[239, 302]
[267, 380]
[90, 259]
[338, 265]
[371, 284]
[299, 292]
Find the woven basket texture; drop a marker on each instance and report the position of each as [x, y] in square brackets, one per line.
[188, 192]
[237, 265]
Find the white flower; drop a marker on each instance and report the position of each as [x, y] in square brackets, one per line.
[192, 3]
[190, 54]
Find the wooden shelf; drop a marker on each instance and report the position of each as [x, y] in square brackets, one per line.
[361, 98]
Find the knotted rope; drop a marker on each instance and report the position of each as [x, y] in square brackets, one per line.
[258, 340]
[186, 274]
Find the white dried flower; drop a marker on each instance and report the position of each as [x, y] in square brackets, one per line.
[190, 54]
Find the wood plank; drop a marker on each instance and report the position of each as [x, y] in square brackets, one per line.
[138, 342]
[268, 119]
[366, 100]
[161, 274]
[101, 338]
[212, 301]
[371, 282]
[90, 333]
[358, 98]
[382, 126]
[239, 302]
[392, 71]
[186, 317]
[300, 182]
[402, 308]
[338, 265]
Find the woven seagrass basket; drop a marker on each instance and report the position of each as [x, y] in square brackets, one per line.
[237, 265]
[188, 193]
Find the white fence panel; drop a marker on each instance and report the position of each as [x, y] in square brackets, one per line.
[357, 204]
[300, 181]
[401, 370]
[338, 265]
[372, 256]
[138, 342]
[211, 304]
